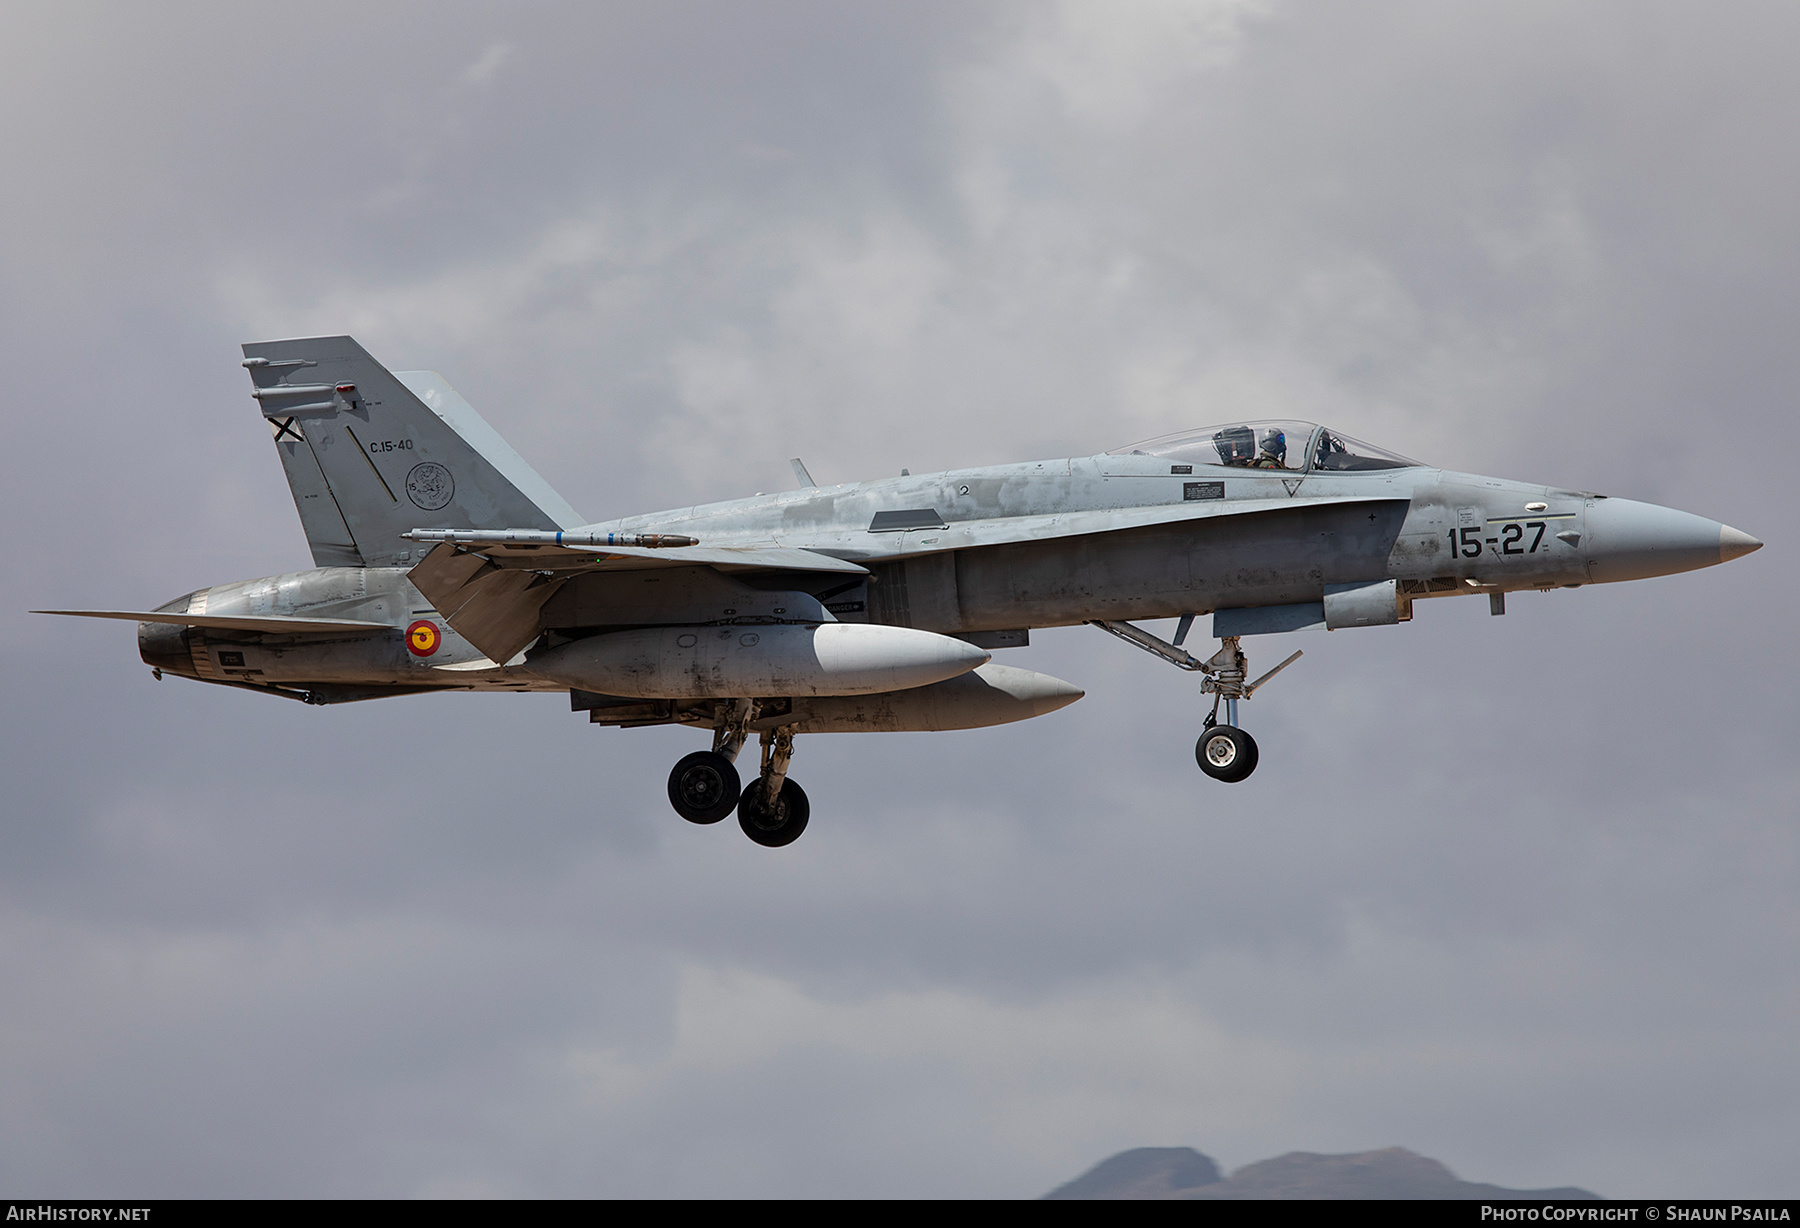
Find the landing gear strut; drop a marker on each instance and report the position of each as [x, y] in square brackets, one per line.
[773, 810]
[1225, 752]
[704, 787]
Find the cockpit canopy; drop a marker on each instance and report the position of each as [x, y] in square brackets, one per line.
[1295, 447]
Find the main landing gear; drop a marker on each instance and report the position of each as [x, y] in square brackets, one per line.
[1224, 752]
[704, 786]
[773, 810]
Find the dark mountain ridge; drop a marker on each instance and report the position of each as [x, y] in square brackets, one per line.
[1183, 1173]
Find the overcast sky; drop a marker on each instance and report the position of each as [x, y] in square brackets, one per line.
[1521, 894]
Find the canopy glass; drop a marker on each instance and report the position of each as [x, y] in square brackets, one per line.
[1292, 446]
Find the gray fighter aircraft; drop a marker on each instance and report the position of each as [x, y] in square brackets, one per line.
[444, 562]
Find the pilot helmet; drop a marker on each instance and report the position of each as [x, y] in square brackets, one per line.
[1236, 445]
[1274, 443]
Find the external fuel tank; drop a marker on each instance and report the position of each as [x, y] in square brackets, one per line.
[725, 662]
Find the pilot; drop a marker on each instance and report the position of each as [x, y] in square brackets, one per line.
[1273, 450]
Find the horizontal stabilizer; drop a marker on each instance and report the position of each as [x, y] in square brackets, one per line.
[272, 623]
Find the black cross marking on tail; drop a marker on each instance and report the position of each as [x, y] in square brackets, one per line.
[285, 430]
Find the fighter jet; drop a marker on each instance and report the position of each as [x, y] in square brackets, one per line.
[444, 562]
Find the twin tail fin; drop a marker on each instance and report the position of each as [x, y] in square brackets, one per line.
[371, 454]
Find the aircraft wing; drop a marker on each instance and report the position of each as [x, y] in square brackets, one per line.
[490, 593]
[491, 590]
[272, 623]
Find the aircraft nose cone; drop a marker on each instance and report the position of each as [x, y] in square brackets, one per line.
[1734, 544]
[1628, 540]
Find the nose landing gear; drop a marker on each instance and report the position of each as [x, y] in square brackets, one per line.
[1224, 752]
[1227, 752]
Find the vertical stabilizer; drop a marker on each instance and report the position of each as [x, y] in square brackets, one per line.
[370, 455]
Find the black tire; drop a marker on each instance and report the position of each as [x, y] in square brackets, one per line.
[703, 787]
[777, 825]
[1226, 753]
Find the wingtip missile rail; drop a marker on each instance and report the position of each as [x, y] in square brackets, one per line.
[543, 537]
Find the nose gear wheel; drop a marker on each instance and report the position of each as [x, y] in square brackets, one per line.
[1226, 753]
